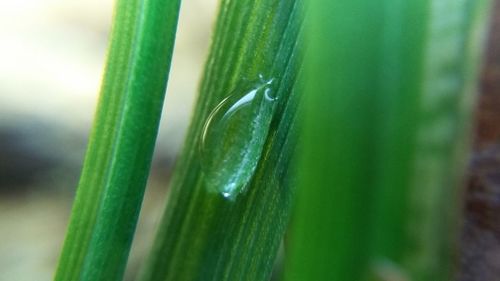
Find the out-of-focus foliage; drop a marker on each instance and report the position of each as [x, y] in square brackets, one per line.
[392, 86]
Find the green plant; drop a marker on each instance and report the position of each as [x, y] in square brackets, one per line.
[387, 93]
[230, 197]
[388, 111]
[120, 148]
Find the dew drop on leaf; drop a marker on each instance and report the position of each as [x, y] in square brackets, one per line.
[234, 136]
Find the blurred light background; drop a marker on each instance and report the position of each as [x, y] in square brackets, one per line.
[51, 59]
[52, 54]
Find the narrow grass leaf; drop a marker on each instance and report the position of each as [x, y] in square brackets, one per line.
[120, 148]
[230, 197]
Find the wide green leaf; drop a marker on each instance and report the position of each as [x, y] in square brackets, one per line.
[392, 85]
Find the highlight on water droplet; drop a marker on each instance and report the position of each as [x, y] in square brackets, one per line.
[234, 136]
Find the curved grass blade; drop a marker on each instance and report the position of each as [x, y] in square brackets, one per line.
[226, 223]
[120, 148]
[387, 114]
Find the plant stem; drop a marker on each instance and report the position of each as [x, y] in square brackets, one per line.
[206, 234]
[120, 148]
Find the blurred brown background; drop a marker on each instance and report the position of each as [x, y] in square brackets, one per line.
[480, 253]
[51, 59]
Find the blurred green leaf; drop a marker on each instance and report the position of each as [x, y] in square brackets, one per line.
[119, 154]
[387, 115]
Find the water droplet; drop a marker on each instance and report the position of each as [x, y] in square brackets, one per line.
[234, 135]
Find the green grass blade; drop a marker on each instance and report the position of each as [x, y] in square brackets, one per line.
[388, 107]
[120, 148]
[227, 223]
